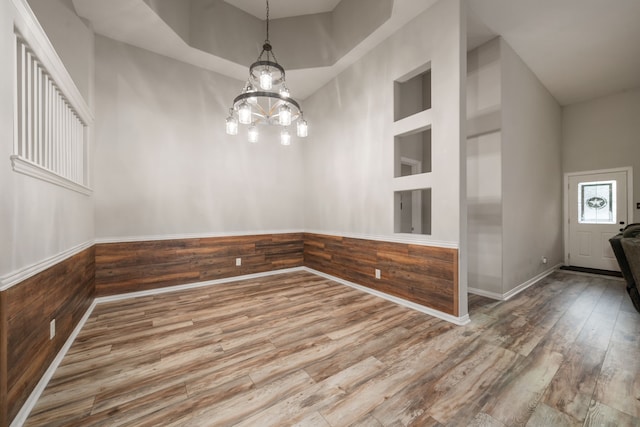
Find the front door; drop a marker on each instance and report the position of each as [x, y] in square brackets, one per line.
[597, 211]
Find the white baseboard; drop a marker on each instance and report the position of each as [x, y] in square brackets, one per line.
[444, 316]
[22, 416]
[400, 301]
[530, 282]
[521, 287]
[176, 288]
[483, 293]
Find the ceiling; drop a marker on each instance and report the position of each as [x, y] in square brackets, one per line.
[284, 8]
[579, 49]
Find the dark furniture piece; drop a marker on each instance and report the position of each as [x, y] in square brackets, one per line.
[626, 247]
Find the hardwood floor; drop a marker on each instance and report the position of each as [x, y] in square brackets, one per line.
[298, 349]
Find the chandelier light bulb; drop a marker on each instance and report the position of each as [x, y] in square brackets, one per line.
[253, 133]
[302, 129]
[253, 99]
[266, 80]
[265, 99]
[232, 125]
[284, 115]
[285, 137]
[244, 113]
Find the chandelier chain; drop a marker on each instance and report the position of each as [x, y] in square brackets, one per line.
[267, 40]
[265, 98]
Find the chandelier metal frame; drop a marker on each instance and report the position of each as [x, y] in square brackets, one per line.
[265, 98]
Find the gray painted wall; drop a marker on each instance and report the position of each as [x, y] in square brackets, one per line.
[514, 171]
[484, 167]
[164, 164]
[604, 133]
[531, 173]
[349, 164]
[349, 157]
[39, 220]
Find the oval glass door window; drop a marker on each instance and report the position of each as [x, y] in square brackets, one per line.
[597, 202]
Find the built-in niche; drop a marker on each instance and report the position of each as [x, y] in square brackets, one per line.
[412, 131]
[413, 211]
[412, 94]
[412, 153]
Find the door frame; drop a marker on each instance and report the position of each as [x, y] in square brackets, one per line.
[567, 175]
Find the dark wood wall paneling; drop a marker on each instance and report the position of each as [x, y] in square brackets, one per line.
[63, 292]
[422, 274]
[138, 266]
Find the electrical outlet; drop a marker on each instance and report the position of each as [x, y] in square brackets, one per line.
[238, 262]
[377, 273]
[544, 260]
[52, 329]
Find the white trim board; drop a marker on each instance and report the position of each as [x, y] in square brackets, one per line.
[26, 167]
[521, 287]
[28, 406]
[179, 236]
[412, 239]
[29, 27]
[17, 276]
[460, 321]
[176, 288]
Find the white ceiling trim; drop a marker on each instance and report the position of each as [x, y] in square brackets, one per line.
[284, 8]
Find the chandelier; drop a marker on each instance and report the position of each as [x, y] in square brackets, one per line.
[265, 99]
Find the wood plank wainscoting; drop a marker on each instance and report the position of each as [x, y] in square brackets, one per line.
[425, 275]
[62, 292]
[421, 274]
[138, 266]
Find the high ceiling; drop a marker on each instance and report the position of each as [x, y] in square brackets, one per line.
[284, 8]
[579, 49]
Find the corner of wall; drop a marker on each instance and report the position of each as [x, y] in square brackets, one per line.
[532, 173]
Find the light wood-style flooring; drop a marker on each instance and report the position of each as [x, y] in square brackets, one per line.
[298, 349]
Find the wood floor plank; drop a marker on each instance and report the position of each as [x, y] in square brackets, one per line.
[517, 400]
[241, 405]
[573, 385]
[601, 415]
[470, 381]
[312, 420]
[547, 416]
[485, 420]
[324, 394]
[619, 383]
[299, 349]
[627, 330]
[597, 330]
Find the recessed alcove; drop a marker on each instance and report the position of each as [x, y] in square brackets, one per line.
[412, 211]
[412, 94]
[412, 153]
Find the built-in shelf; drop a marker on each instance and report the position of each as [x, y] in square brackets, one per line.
[412, 153]
[412, 93]
[412, 127]
[412, 211]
